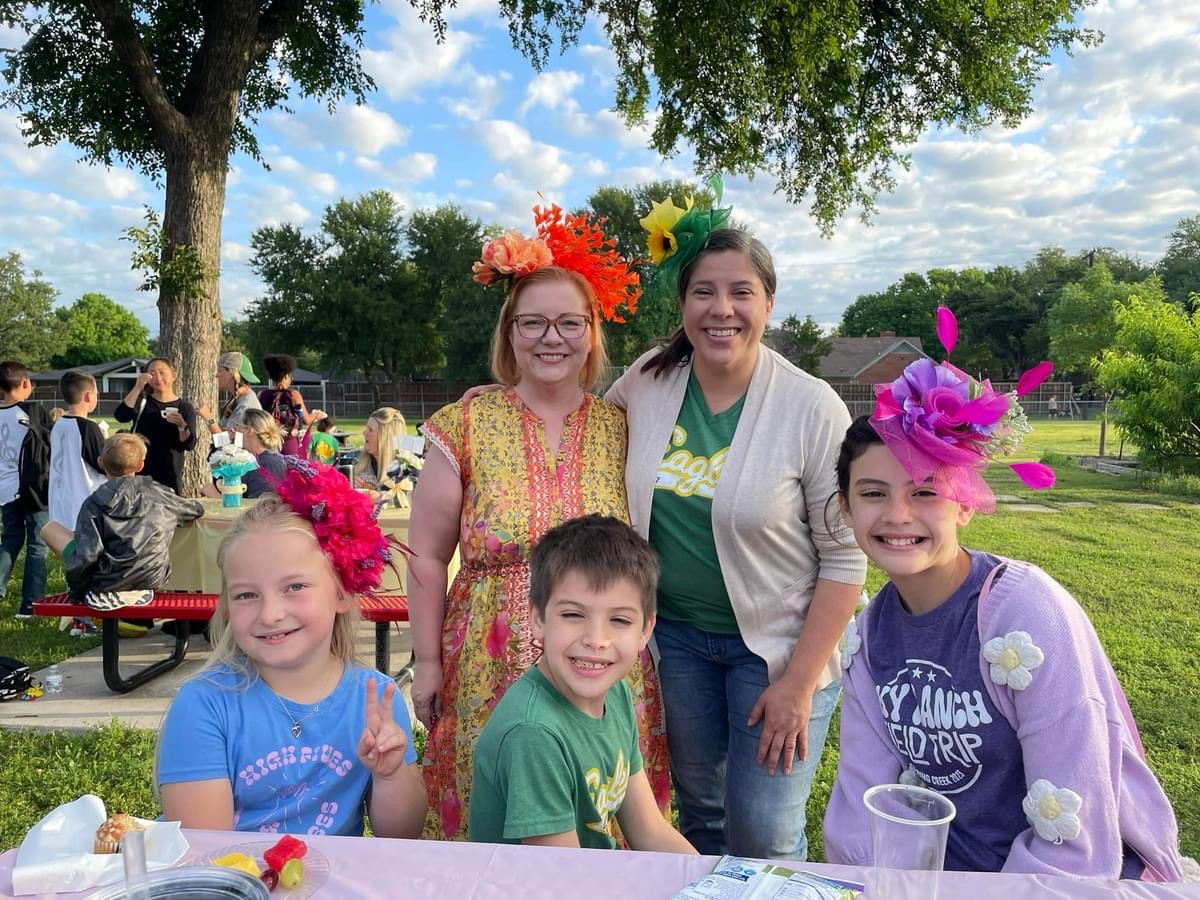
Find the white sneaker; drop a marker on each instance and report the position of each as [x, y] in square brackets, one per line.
[109, 600]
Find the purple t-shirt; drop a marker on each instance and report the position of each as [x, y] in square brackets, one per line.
[933, 699]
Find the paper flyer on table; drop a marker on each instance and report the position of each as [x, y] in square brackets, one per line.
[735, 878]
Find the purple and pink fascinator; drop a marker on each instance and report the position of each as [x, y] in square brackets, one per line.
[946, 427]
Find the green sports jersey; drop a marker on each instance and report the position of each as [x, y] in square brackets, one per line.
[691, 588]
[542, 766]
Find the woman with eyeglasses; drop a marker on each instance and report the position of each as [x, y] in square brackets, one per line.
[508, 466]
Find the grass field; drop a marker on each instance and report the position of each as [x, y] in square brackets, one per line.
[1136, 571]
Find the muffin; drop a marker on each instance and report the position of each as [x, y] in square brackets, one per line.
[108, 835]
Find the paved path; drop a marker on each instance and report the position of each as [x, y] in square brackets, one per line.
[86, 701]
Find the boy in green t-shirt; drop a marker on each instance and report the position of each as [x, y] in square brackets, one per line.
[558, 761]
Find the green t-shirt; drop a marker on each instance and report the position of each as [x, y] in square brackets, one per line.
[543, 766]
[691, 588]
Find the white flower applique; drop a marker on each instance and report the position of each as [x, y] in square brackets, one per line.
[850, 643]
[1053, 812]
[1013, 658]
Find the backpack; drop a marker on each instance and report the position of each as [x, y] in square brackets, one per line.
[34, 464]
[15, 678]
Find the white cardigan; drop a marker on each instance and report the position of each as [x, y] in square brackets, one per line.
[772, 502]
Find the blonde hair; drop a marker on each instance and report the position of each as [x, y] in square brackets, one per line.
[122, 454]
[271, 514]
[504, 358]
[265, 428]
[391, 425]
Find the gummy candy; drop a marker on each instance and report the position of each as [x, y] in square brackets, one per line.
[291, 874]
[270, 878]
[286, 848]
[239, 861]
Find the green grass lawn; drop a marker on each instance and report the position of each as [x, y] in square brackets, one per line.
[1135, 571]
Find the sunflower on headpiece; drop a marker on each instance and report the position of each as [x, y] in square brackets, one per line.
[570, 242]
[676, 236]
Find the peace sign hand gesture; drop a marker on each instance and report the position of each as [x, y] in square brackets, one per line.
[383, 743]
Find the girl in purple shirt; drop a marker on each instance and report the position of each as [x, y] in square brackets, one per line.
[975, 676]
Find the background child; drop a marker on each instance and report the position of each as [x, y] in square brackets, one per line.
[24, 472]
[284, 731]
[120, 549]
[558, 760]
[321, 446]
[976, 676]
[75, 446]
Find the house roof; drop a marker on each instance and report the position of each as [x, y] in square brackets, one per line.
[848, 356]
[299, 376]
[96, 369]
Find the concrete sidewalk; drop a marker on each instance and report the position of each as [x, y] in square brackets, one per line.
[86, 702]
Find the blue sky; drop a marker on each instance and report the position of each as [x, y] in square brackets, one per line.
[1109, 157]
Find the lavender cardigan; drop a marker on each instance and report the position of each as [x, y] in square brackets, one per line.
[1075, 729]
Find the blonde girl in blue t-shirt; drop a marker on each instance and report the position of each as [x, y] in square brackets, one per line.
[283, 731]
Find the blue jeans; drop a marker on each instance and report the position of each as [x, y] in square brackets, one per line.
[19, 528]
[727, 801]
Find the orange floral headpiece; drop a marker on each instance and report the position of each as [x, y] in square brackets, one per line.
[570, 242]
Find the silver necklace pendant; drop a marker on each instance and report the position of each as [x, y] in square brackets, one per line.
[296, 729]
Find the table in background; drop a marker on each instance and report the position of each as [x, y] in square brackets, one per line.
[363, 868]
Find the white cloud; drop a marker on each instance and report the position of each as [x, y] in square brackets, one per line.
[531, 161]
[273, 205]
[369, 131]
[595, 168]
[550, 89]
[484, 93]
[410, 56]
[415, 167]
[233, 252]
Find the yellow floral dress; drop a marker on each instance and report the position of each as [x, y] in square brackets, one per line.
[514, 491]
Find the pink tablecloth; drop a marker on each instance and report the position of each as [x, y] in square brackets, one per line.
[364, 868]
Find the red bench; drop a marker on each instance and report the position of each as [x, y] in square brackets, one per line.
[382, 610]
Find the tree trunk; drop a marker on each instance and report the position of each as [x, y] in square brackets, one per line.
[190, 319]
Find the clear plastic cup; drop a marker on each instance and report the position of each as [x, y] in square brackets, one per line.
[909, 827]
[133, 857]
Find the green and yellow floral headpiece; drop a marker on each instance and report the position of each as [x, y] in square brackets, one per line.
[677, 235]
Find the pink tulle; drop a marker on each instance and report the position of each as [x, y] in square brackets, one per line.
[947, 329]
[1036, 476]
[344, 522]
[955, 472]
[1035, 376]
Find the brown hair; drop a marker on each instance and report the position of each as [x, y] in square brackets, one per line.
[73, 384]
[504, 359]
[12, 374]
[678, 349]
[122, 454]
[600, 548]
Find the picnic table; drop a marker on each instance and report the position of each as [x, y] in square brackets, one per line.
[191, 595]
[365, 868]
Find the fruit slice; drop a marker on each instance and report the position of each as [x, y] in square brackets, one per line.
[291, 874]
[287, 847]
[239, 861]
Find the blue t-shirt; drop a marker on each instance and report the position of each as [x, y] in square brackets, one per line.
[941, 719]
[313, 784]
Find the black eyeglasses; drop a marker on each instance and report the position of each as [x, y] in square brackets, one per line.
[569, 328]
